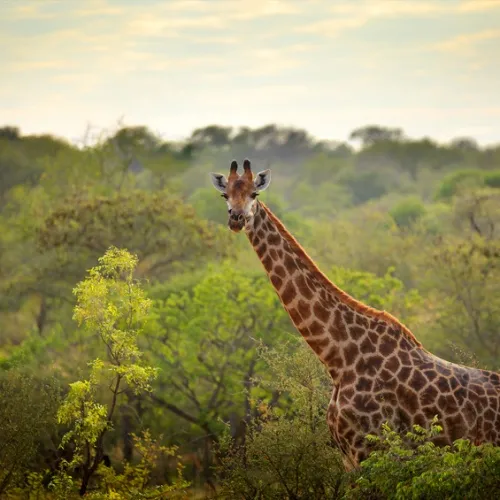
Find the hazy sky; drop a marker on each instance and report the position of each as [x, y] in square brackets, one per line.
[430, 67]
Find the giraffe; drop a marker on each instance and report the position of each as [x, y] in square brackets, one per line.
[380, 372]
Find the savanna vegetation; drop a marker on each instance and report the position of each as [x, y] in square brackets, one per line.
[143, 353]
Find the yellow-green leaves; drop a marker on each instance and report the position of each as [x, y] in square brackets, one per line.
[112, 308]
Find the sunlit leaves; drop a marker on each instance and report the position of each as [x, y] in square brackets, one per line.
[112, 308]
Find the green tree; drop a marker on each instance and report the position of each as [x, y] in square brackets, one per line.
[205, 342]
[459, 181]
[112, 308]
[370, 134]
[385, 292]
[407, 211]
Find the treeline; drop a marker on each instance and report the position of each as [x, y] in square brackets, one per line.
[409, 226]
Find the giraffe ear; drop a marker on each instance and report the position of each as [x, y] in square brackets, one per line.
[219, 182]
[262, 180]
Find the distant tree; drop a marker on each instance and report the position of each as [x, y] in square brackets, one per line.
[459, 181]
[159, 227]
[59, 243]
[463, 279]
[465, 144]
[130, 141]
[211, 136]
[364, 185]
[244, 137]
[10, 133]
[371, 134]
[407, 211]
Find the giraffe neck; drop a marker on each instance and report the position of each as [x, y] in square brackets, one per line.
[338, 328]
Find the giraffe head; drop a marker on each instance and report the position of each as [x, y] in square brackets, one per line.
[240, 192]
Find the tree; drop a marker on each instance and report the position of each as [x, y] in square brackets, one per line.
[407, 211]
[465, 144]
[9, 132]
[371, 134]
[461, 276]
[112, 308]
[205, 343]
[211, 136]
[160, 228]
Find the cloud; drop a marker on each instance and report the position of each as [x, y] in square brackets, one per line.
[333, 27]
[478, 5]
[97, 11]
[466, 43]
[136, 38]
[33, 10]
[344, 16]
[150, 24]
[171, 19]
[273, 61]
[387, 8]
[20, 66]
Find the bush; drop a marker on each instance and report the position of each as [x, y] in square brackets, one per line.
[27, 415]
[413, 467]
[287, 451]
[492, 179]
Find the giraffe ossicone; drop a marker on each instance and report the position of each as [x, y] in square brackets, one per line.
[380, 372]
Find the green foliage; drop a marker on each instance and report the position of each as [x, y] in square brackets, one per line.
[206, 207]
[112, 308]
[411, 466]
[358, 214]
[286, 454]
[27, 416]
[407, 211]
[364, 186]
[466, 278]
[204, 339]
[453, 183]
[134, 482]
[492, 179]
[385, 293]
[320, 202]
[371, 134]
[158, 226]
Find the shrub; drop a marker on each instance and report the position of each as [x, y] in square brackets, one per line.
[27, 415]
[492, 179]
[287, 451]
[411, 466]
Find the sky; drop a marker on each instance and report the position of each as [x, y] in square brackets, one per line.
[327, 66]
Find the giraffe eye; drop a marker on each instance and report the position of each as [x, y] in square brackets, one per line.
[254, 195]
[224, 196]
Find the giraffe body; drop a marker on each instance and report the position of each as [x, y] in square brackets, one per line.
[380, 372]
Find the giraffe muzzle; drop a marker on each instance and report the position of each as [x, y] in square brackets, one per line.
[236, 222]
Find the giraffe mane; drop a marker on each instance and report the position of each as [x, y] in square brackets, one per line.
[348, 299]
